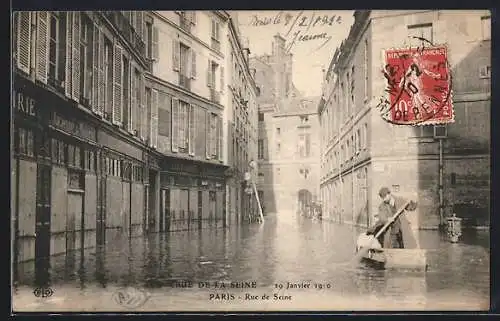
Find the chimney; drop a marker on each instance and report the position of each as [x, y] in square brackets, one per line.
[278, 45]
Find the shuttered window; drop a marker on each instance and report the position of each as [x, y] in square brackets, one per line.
[175, 125]
[108, 78]
[127, 116]
[86, 60]
[154, 119]
[23, 37]
[75, 57]
[137, 101]
[42, 46]
[192, 129]
[117, 80]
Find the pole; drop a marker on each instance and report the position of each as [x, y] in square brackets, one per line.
[258, 201]
[352, 192]
[440, 187]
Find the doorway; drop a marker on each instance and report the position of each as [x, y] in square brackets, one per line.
[200, 209]
[73, 221]
[304, 199]
[42, 221]
[101, 211]
[213, 206]
[164, 210]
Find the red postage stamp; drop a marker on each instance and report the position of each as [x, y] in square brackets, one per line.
[418, 86]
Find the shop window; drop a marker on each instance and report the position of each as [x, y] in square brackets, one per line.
[26, 142]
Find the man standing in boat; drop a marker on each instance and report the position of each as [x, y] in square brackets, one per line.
[399, 234]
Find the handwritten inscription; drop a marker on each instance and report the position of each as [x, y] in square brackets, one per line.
[300, 27]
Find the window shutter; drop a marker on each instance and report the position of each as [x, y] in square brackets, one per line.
[193, 64]
[117, 89]
[100, 75]
[42, 46]
[212, 28]
[24, 41]
[208, 136]
[193, 17]
[133, 100]
[143, 109]
[222, 82]
[176, 61]
[140, 24]
[95, 71]
[175, 125]
[154, 118]
[219, 137]
[154, 44]
[69, 51]
[209, 74]
[192, 137]
[75, 59]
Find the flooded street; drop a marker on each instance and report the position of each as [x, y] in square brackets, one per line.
[180, 271]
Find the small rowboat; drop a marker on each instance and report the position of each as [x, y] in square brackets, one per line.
[400, 259]
[371, 252]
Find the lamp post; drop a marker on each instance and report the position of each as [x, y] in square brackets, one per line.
[249, 177]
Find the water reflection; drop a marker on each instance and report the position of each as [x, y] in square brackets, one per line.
[298, 250]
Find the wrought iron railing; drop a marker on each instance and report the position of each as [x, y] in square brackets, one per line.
[185, 24]
[185, 81]
[214, 96]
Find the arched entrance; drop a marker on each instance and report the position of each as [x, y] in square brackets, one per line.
[304, 198]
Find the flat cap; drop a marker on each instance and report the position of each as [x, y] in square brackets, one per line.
[383, 192]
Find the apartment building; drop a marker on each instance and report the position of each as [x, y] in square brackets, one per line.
[288, 145]
[82, 147]
[444, 168]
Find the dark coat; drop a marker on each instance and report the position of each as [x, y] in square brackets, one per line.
[401, 225]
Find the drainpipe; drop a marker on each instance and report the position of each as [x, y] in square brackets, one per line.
[440, 186]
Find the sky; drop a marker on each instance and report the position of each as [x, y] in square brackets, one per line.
[312, 37]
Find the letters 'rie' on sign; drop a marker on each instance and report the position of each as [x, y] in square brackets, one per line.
[418, 88]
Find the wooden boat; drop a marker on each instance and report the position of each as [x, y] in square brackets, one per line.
[400, 259]
[389, 258]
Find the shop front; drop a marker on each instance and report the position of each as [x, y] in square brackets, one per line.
[192, 195]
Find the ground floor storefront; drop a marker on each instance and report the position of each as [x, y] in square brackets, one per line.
[78, 180]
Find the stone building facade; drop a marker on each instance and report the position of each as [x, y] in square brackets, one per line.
[118, 126]
[288, 146]
[361, 152]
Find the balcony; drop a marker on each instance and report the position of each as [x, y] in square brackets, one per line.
[185, 24]
[122, 24]
[215, 44]
[214, 96]
[184, 81]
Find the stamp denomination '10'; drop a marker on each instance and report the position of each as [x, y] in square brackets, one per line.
[418, 86]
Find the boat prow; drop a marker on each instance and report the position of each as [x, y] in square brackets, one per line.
[397, 259]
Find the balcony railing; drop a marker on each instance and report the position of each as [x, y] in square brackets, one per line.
[185, 24]
[184, 81]
[215, 44]
[214, 96]
[123, 25]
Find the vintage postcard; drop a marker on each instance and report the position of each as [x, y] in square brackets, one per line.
[230, 161]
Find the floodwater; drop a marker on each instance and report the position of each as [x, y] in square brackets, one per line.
[183, 271]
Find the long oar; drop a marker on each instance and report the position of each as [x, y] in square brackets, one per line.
[364, 250]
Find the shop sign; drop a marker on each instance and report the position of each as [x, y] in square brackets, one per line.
[25, 104]
[74, 127]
